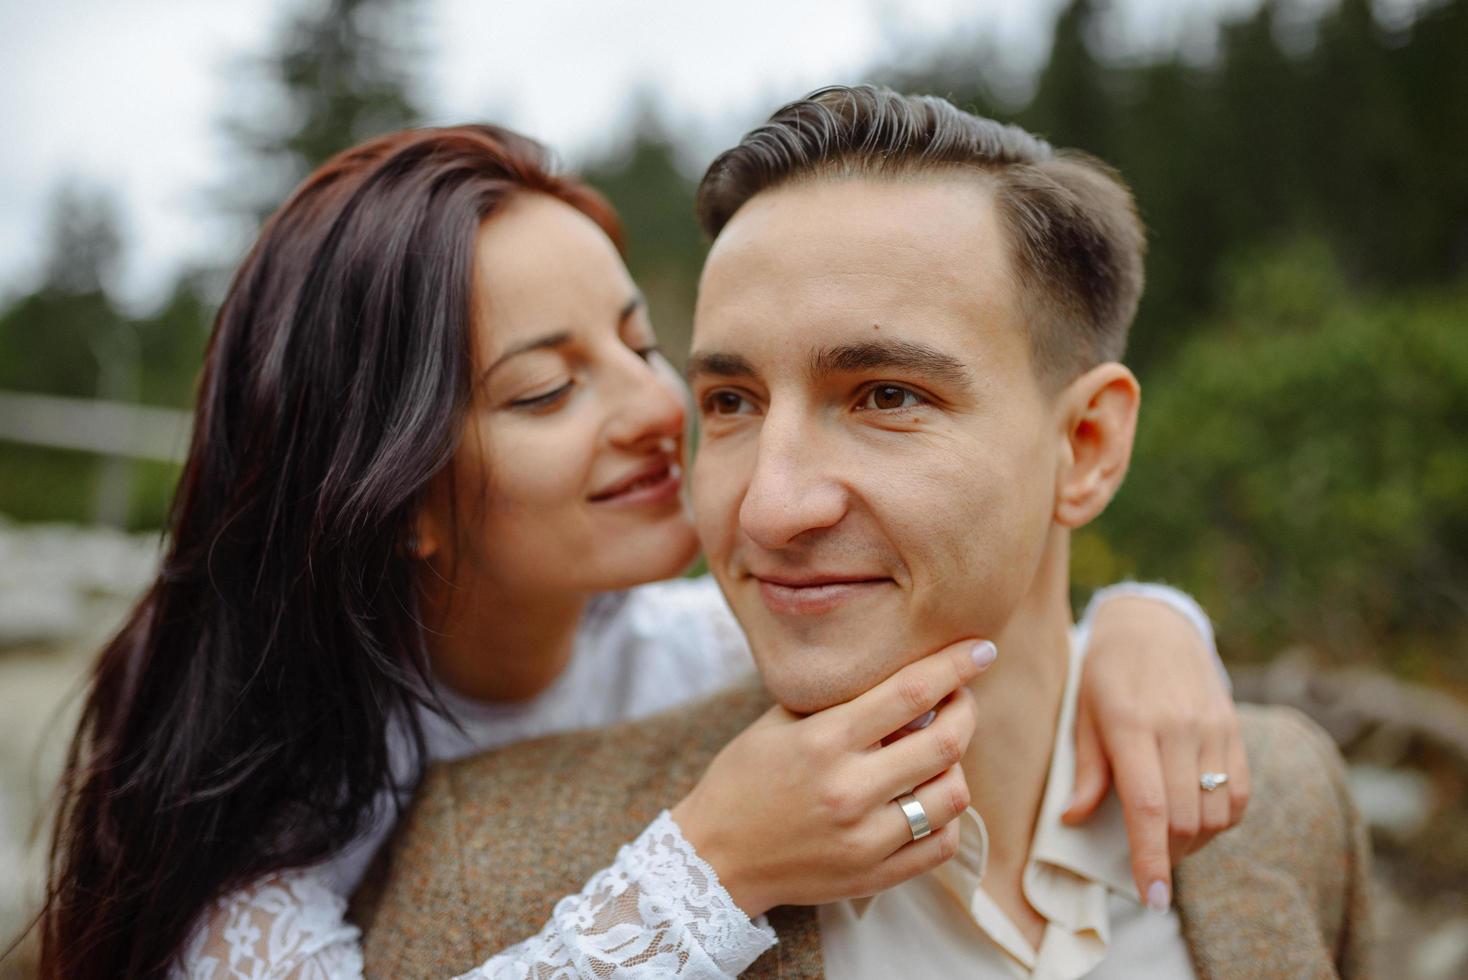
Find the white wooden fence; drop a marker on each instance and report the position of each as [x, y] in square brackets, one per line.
[116, 429]
[120, 432]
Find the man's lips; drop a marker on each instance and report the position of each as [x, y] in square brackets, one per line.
[655, 482]
[813, 594]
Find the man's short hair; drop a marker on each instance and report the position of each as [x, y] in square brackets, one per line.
[1074, 234]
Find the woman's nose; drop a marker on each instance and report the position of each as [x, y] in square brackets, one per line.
[650, 404]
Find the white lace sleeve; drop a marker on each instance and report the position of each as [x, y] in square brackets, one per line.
[289, 927]
[657, 912]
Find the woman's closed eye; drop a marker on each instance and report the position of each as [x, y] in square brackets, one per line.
[546, 399]
[889, 398]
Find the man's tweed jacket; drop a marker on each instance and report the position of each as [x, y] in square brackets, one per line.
[492, 842]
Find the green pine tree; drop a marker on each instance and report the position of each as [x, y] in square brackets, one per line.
[653, 195]
[341, 72]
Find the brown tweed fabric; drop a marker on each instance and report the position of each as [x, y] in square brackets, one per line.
[1284, 894]
[494, 841]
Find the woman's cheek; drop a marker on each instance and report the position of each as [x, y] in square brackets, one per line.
[537, 471]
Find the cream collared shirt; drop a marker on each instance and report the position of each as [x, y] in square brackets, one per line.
[943, 924]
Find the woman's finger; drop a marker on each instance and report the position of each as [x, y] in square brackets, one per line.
[911, 692]
[1136, 767]
[1093, 775]
[1214, 806]
[1181, 768]
[920, 756]
[776, 715]
[1238, 777]
[942, 799]
[913, 859]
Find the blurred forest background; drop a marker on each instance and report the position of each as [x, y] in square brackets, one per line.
[1302, 343]
[1302, 465]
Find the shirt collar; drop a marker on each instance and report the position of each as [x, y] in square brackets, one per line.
[1096, 850]
[1065, 862]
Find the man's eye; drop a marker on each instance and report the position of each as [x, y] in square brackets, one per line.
[889, 398]
[725, 402]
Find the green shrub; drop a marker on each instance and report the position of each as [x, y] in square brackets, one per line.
[1301, 467]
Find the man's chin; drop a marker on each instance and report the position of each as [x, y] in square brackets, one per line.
[808, 680]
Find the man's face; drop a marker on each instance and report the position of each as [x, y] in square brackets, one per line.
[878, 465]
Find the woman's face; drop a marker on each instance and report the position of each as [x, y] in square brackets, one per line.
[569, 474]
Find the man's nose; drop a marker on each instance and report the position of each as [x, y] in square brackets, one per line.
[647, 406]
[792, 490]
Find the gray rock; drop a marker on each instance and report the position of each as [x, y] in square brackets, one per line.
[1397, 801]
[1443, 953]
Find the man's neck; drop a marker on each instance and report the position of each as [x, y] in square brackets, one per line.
[1019, 701]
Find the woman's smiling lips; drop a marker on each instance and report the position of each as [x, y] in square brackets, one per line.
[656, 483]
[812, 595]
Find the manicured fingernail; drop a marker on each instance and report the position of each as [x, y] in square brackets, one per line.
[1159, 896]
[984, 653]
[920, 723]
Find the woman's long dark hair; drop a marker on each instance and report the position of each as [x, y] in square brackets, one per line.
[236, 726]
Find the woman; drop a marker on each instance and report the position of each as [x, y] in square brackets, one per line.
[435, 453]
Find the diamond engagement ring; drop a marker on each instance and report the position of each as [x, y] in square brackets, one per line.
[917, 817]
[1210, 781]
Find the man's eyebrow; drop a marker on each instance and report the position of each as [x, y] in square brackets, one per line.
[902, 355]
[718, 364]
[560, 337]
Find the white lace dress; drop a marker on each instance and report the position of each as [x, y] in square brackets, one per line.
[657, 912]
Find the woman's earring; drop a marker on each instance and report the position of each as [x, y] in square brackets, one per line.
[412, 545]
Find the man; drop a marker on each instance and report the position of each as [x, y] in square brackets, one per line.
[910, 324]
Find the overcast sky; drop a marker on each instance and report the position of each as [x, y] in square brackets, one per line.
[125, 94]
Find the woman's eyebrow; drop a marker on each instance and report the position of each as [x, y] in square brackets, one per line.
[560, 337]
[549, 340]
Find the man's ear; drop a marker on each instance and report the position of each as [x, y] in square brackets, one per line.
[1098, 415]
